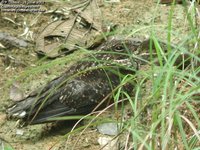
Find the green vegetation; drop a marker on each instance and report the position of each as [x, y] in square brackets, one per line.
[167, 117]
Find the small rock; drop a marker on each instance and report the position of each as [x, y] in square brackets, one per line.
[19, 132]
[108, 128]
[16, 94]
[108, 143]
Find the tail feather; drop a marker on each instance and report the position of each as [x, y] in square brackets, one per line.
[24, 110]
[56, 109]
[17, 109]
[30, 105]
[32, 115]
[44, 117]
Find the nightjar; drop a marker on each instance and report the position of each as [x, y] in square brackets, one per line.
[83, 86]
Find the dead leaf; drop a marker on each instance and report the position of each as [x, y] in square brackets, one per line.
[81, 29]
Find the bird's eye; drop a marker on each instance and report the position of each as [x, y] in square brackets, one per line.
[119, 48]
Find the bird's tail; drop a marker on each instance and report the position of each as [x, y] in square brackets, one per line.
[29, 110]
[19, 110]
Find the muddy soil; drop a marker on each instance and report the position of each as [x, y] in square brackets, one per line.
[132, 17]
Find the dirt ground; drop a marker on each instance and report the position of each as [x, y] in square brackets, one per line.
[132, 17]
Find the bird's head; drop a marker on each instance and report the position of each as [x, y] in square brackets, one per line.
[119, 49]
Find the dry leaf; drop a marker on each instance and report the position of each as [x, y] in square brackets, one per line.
[80, 30]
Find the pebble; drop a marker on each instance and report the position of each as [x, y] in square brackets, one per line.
[108, 143]
[108, 128]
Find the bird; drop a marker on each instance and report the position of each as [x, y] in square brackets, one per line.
[81, 87]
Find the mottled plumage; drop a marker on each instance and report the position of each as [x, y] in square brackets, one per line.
[82, 87]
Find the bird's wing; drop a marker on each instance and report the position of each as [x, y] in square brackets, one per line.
[44, 95]
[64, 96]
[79, 96]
